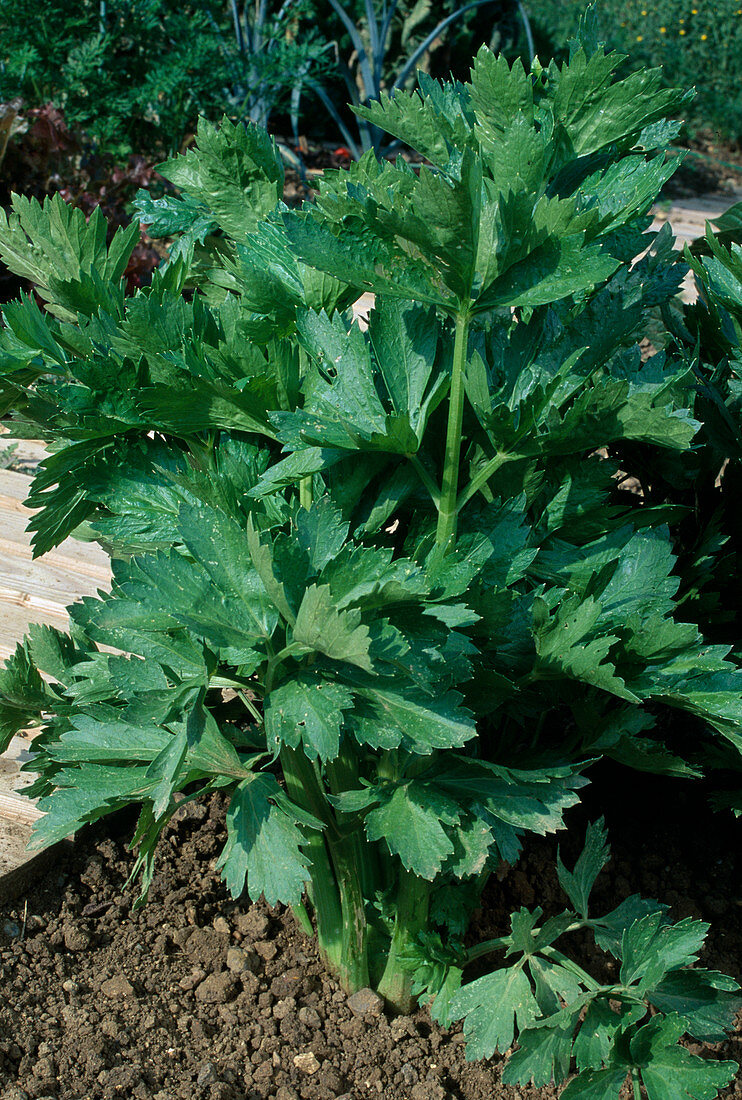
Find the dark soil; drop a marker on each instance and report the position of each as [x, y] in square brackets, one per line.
[711, 166]
[199, 997]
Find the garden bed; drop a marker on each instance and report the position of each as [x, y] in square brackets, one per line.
[199, 997]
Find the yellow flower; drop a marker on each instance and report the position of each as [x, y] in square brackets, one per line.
[663, 30]
[682, 21]
[682, 33]
[704, 37]
[640, 37]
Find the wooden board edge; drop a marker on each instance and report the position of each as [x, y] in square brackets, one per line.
[20, 880]
[18, 809]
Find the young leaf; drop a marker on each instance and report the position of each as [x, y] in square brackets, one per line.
[263, 849]
[578, 883]
[491, 1007]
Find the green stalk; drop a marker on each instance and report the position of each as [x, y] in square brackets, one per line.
[413, 900]
[448, 510]
[353, 966]
[488, 947]
[635, 1083]
[302, 788]
[305, 492]
[336, 892]
[480, 480]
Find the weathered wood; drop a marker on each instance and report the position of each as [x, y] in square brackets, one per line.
[31, 590]
[18, 866]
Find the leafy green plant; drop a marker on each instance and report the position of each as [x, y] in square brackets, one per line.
[135, 74]
[274, 51]
[371, 69]
[382, 587]
[700, 44]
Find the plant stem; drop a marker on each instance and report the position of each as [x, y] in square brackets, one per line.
[426, 479]
[487, 947]
[480, 480]
[302, 918]
[635, 1083]
[413, 898]
[353, 965]
[336, 893]
[305, 492]
[587, 979]
[448, 510]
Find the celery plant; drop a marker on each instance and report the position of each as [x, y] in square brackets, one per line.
[380, 586]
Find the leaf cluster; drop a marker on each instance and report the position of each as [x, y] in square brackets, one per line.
[379, 584]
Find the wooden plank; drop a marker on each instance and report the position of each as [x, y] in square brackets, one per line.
[13, 804]
[83, 558]
[18, 866]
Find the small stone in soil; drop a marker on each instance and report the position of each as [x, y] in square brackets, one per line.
[306, 1063]
[207, 1075]
[242, 958]
[266, 950]
[366, 1003]
[410, 1075]
[77, 939]
[216, 989]
[309, 1016]
[192, 979]
[118, 986]
[252, 924]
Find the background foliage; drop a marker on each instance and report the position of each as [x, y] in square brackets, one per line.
[135, 74]
[699, 44]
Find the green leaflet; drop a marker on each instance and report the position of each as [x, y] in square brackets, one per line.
[235, 173]
[308, 710]
[65, 255]
[492, 1007]
[339, 635]
[263, 851]
[409, 718]
[707, 999]
[668, 1070]
[578, 883]
[411, 821]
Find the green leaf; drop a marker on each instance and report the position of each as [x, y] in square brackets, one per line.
[84, 794]
[233, 171]
[164, 770]
[407, 717]
[321, 532]
[410, 820]
[263, 850]
[651, 947]
[600, 1084]
[578, 883]
[670, 1072]
[534, 800]
[593, 1042]
[308, 709]
[492, 1007]
[567, 646]
[340, 635]
[65, 255]
[707, 1000]
[543, 1056]
[609, 929]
